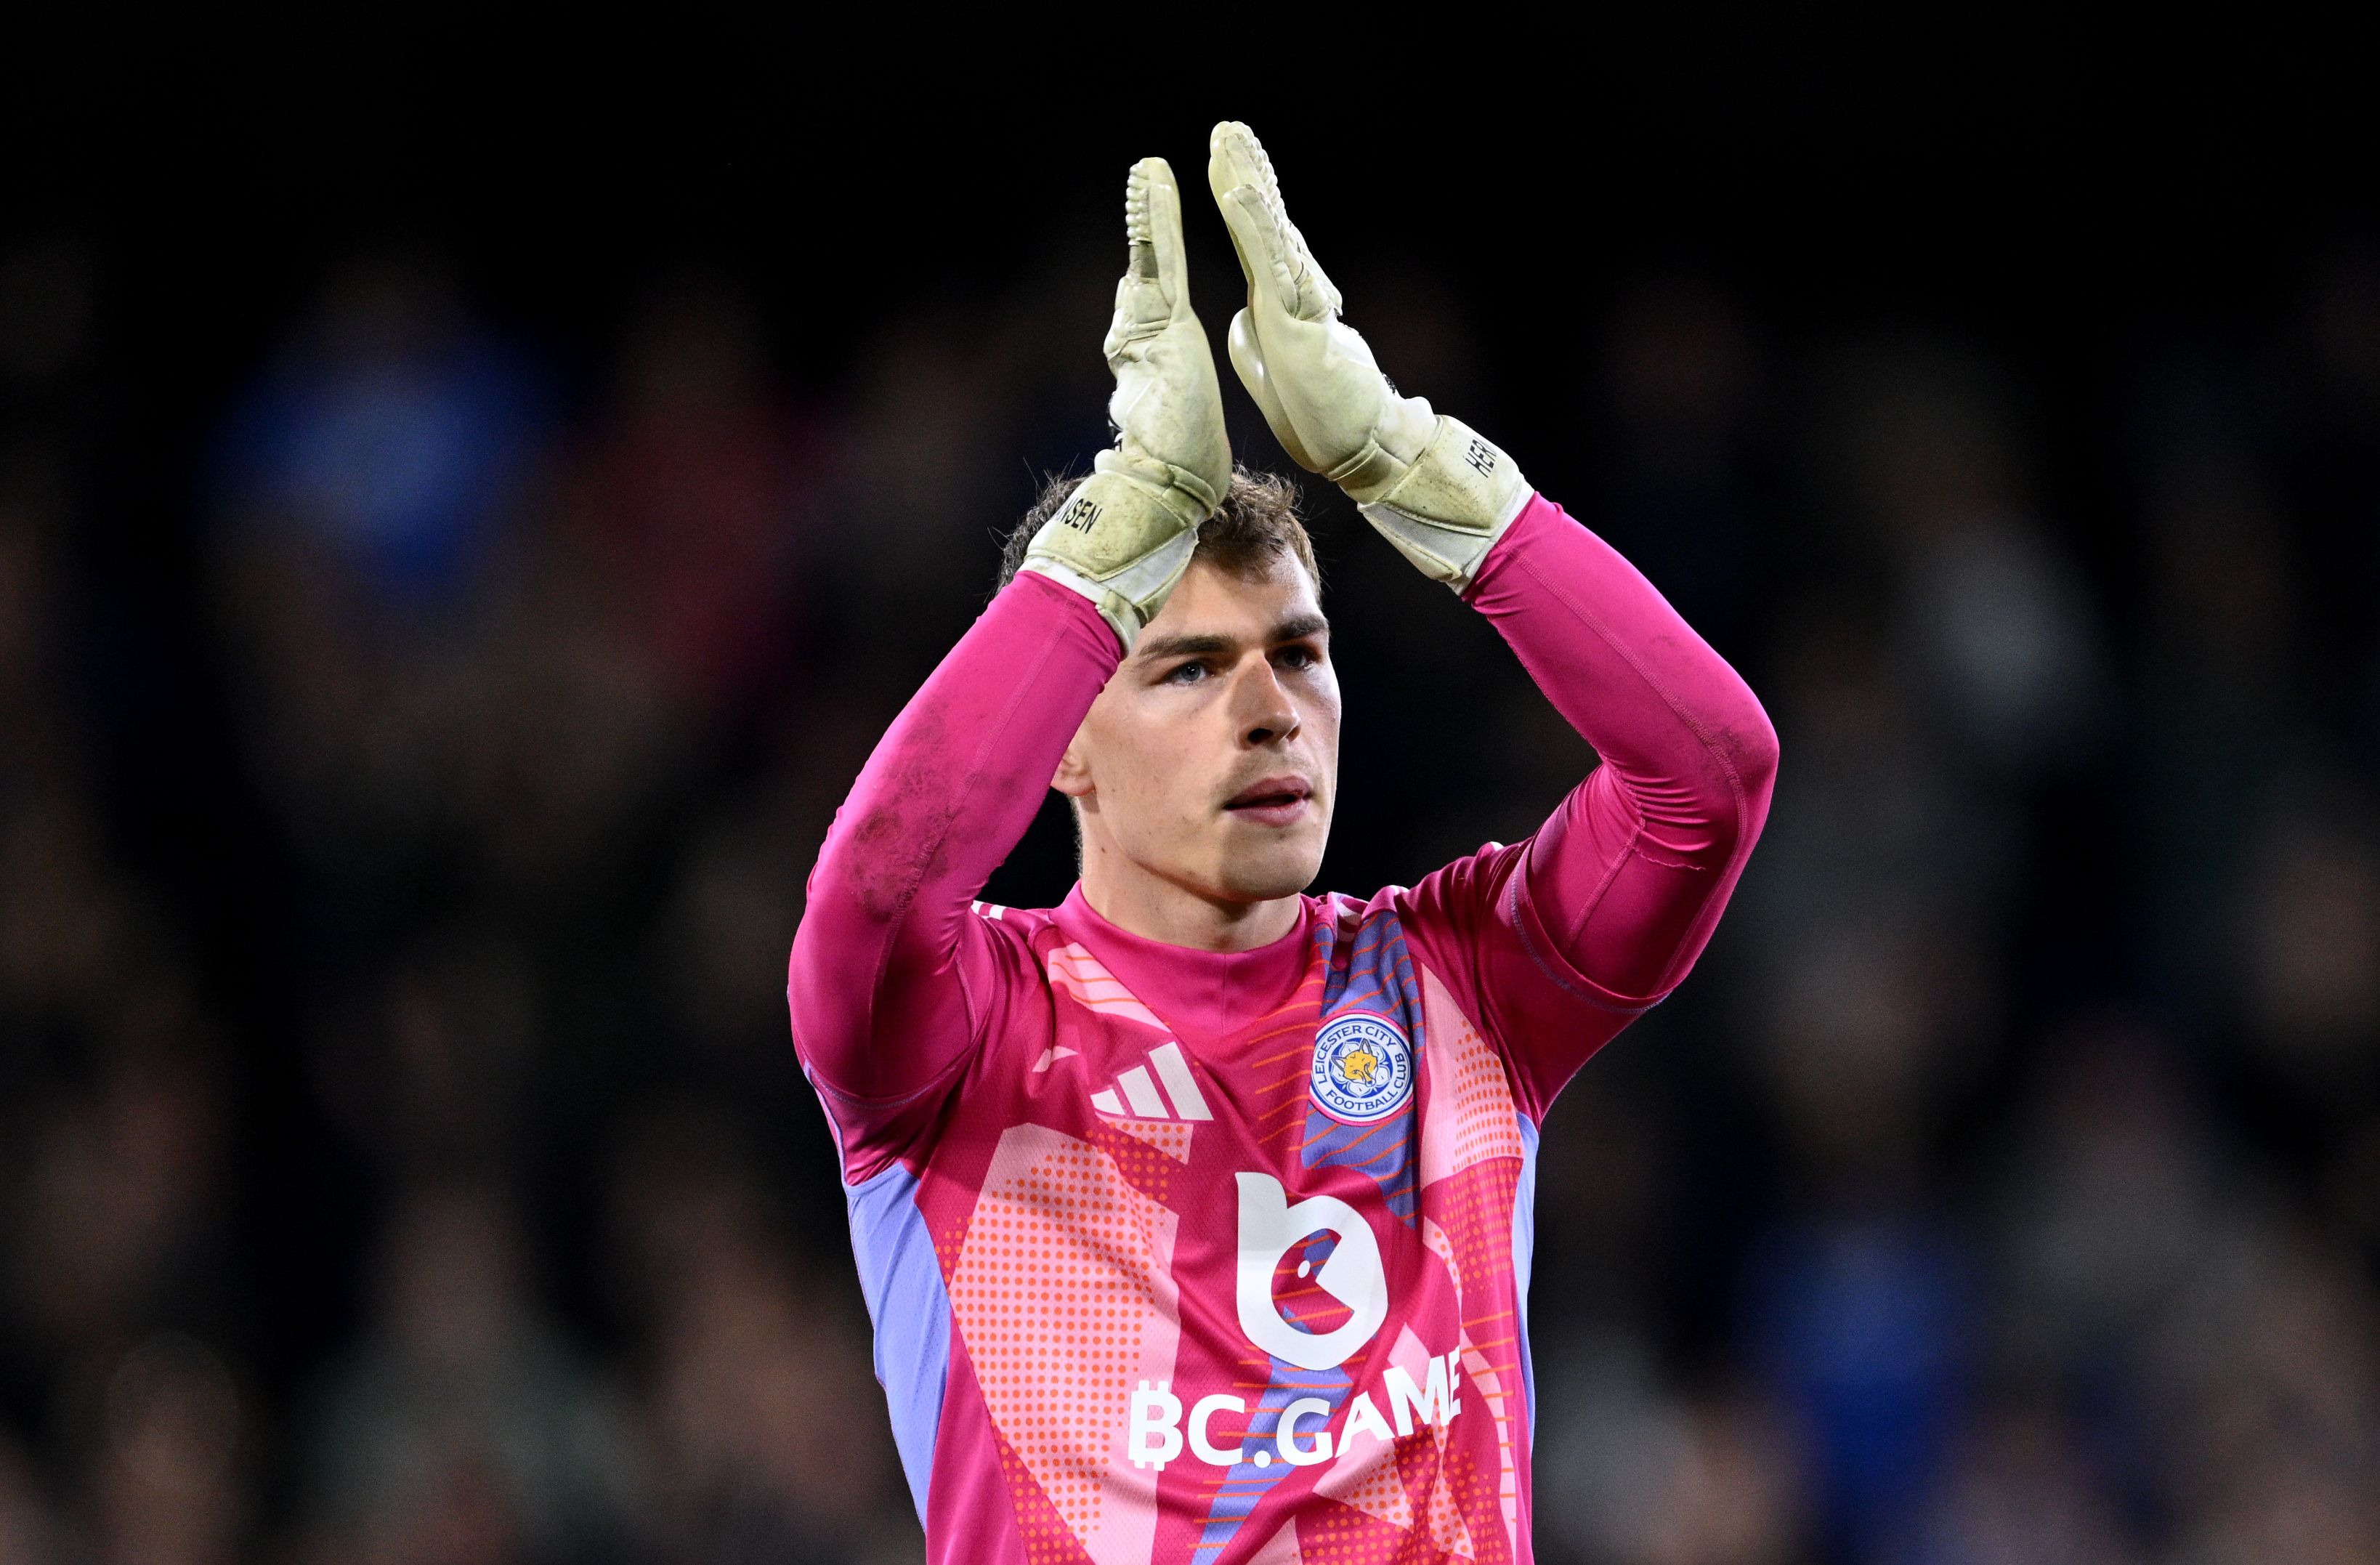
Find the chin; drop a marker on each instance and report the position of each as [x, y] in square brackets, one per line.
[1281, 871]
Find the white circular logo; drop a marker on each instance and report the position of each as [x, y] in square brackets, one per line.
[1363, 1069]
[1353, 1274]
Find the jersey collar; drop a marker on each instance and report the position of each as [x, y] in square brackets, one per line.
[1202, 995]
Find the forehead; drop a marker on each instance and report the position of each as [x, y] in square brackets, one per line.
[1212, 600]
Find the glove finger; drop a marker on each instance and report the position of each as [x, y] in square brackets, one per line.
[1138, 188]
[1141, 305]
[1237, 174]
[1159, 220]
[1280, 271]
[1247, 359]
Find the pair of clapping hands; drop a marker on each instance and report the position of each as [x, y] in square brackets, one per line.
[1438, 492]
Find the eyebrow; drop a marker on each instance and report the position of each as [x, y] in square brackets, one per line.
[1298, 627]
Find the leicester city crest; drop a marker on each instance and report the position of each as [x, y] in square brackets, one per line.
[1363, 1068]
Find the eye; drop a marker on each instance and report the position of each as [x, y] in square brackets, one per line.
[1297, 659]
[1186, 673]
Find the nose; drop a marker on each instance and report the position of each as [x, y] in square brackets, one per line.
[1263, 710]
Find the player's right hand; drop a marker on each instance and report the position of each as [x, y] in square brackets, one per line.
[1124, 537]
[1438, 492]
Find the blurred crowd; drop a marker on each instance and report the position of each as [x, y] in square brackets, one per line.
[401, 1155]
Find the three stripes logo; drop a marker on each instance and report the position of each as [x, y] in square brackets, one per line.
[1163, 1088]
[1136, 1094]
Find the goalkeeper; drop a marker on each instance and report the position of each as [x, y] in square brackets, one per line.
[1194, 1213]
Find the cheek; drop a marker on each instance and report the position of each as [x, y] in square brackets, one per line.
[1146, 765]
[1323, 714]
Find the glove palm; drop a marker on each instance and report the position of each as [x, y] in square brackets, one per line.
[1435, 488]
[1125, 534]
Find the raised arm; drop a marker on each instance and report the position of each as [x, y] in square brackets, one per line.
[1555, 944]
[892, 980]
[1627, 878]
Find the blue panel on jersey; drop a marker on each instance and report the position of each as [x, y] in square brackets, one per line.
[1374, 974]
[1524, 1249]
[910, 1308]
[1246, 1483]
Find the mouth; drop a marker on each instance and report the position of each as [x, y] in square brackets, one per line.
[1272, 801]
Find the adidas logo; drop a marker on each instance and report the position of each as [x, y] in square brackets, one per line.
[1142, 1100]
[1172, 1093]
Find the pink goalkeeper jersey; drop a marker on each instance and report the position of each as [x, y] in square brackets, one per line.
[1178, 1256]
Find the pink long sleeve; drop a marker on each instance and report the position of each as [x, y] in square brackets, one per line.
[890, 974]
[1603, 912]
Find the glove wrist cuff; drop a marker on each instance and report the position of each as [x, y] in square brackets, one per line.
[1448, 508]
[1120, 541]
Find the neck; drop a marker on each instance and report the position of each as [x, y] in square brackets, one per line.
[1149, 905]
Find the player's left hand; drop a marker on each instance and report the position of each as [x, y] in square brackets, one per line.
[1433, 487]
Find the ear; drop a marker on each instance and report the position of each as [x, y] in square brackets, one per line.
[1073, 777]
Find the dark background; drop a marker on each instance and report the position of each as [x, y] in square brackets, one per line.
[466, 511]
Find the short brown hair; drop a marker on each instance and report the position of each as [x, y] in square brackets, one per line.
[1255, 525]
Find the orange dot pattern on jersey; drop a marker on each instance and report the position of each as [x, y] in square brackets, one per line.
[1376, 1489]
[1044, 1534]
[1472, 1213]
[1060, 1278]
[1487, 1386]
[1351, 1537]
[1446, 1525]
[1443, 1481]
[1468, 1223]
[1168, 1137]
[1442, 1247]
[1484, 1126]
[1147, 1166]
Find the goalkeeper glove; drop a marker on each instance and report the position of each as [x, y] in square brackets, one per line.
[1431, 485]
[1124, 536]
